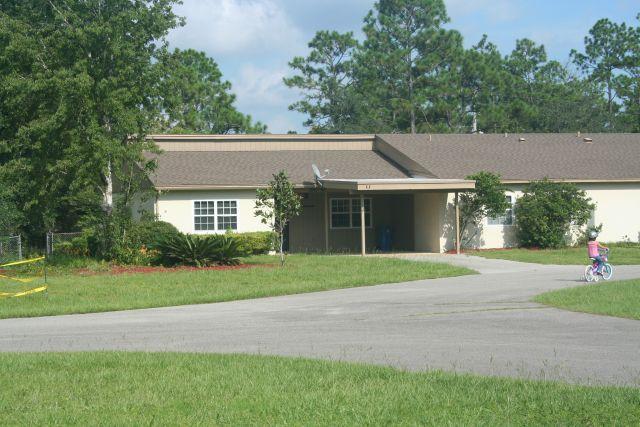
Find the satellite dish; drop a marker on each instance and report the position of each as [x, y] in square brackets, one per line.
[316, 172]
[318, 176]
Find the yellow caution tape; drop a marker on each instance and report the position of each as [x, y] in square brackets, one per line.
[23, 293]
[25, 280]
[26, 261]
[28, 280]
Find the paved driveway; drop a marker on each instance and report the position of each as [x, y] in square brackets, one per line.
[483, 324]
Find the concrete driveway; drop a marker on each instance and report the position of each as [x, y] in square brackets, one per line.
[483, 324]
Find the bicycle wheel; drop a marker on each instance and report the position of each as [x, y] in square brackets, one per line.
[607, 271]
[589, 274]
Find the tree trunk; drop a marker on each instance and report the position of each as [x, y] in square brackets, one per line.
[411, 103]
[108, 191]
[282, 247]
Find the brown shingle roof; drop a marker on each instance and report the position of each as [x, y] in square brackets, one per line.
[251, 168]
[556, 156]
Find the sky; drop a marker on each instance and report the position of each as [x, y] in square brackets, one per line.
[253, 40]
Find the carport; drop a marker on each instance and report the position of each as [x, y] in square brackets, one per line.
[364, 187]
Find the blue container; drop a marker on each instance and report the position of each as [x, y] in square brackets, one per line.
[385, 239]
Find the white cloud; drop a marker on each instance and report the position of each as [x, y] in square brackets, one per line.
[236, 27]
[261, 92]
[262, 86]
[494, 10]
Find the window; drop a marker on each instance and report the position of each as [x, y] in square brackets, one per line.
[227, 215]
[345, 213]
[204, 215]
[507, 218]
[211, 215]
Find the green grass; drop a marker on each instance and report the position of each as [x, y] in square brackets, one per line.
[620, 255]
[196, 389]
[302, 273]
[621, 299]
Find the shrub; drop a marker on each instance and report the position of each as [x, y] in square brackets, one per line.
[121, 240]
[77, 246]
[486, 200]
[146, 232]
[255, 243]
[228, 250]
[547, 211]
[198, 251]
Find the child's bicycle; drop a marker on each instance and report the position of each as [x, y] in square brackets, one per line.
[591, 271]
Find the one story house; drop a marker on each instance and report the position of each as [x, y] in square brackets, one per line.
[396, 192]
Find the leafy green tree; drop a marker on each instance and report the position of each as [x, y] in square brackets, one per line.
[607, 58]
[405, 61]
[486, 200]
[482, 82]
[75, 80]
[326, 79]
[10, 216]
[193, 98]
[277, 205]
[628, 82]
[548, 211]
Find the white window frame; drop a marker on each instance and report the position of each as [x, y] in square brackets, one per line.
[350, 213]
[216, 215]
[500, 221]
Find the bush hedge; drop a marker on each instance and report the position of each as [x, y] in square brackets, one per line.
[547, 212]
[254, 243]
[137, 243]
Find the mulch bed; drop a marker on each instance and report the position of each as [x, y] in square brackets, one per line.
[133, 269]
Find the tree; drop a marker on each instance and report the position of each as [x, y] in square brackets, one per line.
[75, 85]
[277, 205]
[486, 200]
[606, 52]
[547, 212]
[326, 77]
[404, 64]
[193, 98]
[628, 82]
[10, 216]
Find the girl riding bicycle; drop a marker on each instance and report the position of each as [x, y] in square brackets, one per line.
[594, 250]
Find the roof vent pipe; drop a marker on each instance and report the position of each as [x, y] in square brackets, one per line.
[578, 134]
[506, 134]
[429, 137]
[588, 140]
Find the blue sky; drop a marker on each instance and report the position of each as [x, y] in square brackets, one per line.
[253, 40]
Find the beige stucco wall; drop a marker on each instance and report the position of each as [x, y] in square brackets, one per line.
[176, 207]
[429, 218]
[617, 209]
[420, 221]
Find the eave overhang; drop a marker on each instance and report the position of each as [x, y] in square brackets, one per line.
[400, 184]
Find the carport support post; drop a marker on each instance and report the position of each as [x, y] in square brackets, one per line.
[363, 237]
[457, 224]
[326, 221]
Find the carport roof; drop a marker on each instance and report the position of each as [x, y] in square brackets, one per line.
[397, 184]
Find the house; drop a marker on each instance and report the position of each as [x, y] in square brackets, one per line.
[404, 185]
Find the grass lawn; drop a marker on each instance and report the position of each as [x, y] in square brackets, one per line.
[620, 255]
[195, 389]
[621, 299]
[302, 273]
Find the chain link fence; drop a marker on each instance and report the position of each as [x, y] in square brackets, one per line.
[56, 242]
[10, 248]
